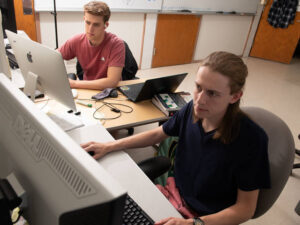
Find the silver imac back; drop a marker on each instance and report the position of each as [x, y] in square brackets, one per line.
[44, 63]
[63, 184]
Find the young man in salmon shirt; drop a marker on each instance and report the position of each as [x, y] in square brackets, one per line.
[101, 54]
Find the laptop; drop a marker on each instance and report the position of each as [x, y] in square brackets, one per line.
[144, 91]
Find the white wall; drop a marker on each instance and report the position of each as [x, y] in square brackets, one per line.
[217, 32]
[150, 28]
[129, 28]
[222, 33]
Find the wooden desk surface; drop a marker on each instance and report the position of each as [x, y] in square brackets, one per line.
[144, 112]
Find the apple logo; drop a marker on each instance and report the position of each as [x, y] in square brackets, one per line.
[29, 57]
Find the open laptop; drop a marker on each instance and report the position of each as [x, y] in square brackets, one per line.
[143, 91]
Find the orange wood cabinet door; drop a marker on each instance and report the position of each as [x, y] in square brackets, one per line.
[276, 44]
[175, 39]
[25, 22]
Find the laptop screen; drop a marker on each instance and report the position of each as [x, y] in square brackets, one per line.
[144, 91]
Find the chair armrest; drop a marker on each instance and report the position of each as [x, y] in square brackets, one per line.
[155, 167]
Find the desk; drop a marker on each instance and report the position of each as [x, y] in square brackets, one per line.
[122, 168]
[144, 112]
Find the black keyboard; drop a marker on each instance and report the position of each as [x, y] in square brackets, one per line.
[134, 215]
[12, 60]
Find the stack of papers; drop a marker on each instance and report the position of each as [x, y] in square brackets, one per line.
[170, 103]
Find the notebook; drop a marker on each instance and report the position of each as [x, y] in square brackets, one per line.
[144, 91]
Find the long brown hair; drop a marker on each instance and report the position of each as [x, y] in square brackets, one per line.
[234, 68]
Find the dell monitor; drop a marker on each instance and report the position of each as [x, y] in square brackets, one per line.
[43, 67]
[63, 184]
[4, 65]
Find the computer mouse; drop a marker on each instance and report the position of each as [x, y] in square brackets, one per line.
[113, 93]
[72, 76]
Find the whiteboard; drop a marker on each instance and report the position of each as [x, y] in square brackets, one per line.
[238, 6]
[115, 5]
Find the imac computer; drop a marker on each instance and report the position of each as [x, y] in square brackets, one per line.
[42, 68]
[63, 184]
[4, 65]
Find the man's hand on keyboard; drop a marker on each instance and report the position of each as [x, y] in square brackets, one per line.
[96, 149]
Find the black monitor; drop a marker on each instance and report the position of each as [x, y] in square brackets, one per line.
[8, 16]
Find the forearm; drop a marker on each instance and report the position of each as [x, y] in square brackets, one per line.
[238, 213]
[99, 84]
[230, 216]
[140, 140]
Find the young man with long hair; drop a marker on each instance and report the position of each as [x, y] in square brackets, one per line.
[221, 160]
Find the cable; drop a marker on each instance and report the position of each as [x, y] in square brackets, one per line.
[113, 105]
[44, 100]
[114, 108]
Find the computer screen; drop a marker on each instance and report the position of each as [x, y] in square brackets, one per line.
[63, 184]
[4, 65]
[44, 63]
[8, 16]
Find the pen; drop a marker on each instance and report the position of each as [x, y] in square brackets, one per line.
[84, 103]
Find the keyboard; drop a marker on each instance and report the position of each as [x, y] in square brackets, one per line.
[66, 121]
[12, 60]
[134, 215]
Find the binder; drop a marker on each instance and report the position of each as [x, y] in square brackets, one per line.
[170, 103]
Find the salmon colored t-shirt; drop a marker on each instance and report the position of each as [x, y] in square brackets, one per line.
[95, 60]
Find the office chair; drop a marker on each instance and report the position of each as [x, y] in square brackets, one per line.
[297, 208]
[128, 73]
[281, 150]
[281, 155]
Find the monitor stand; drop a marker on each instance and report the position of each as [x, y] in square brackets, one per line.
[30, 86]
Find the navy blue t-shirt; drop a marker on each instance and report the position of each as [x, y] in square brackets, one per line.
[208, 172]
